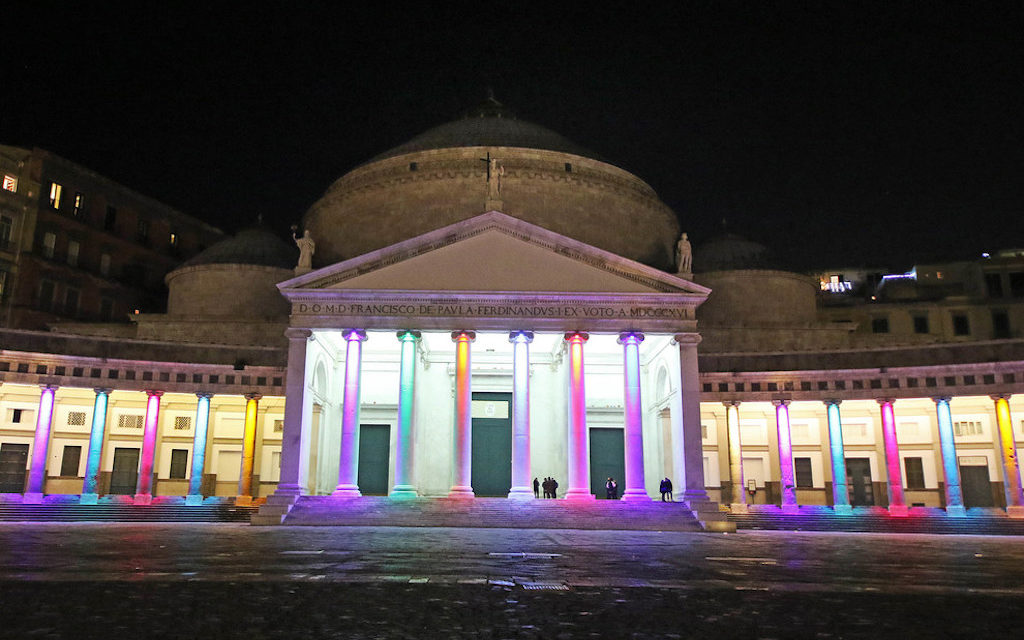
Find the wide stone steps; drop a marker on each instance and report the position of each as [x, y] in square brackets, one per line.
[876, 520]
[124, 513]
[491, 513]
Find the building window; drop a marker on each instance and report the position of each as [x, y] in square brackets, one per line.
[71, 297]
[568, 167]
[79, 204]
[46, 291]
[142, 230]
[73, 248]
[802, 469]
[3, 284]
[55, 190]
[914, 468]
[179, 463]
[413, 166]
[961, 324]
[49, 242]
[994, 285]
[173, 240]
[69, 461]
[1017, 284]
[880, 325]
[105, 264]
[106, 309]
[16, 415]
[920, 324]
[76, 419]
[182, 423]
[963, 428]
[129, 421]
[110, 219]
[1000, 324]
[10, 183]
[6, 229]
[278, 426]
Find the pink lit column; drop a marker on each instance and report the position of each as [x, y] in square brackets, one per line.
[1011, 463]
[579, 458]
[785, 455]
[144, 489]
[897, 504]
[348, 467]
[404, 486]
[522, 485]
[462, 481]
[40, 447]
[634, 489]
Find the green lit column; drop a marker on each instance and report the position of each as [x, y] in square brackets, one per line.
[404, 486]
[90, 494]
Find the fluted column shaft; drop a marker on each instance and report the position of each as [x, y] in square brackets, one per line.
[348, 465]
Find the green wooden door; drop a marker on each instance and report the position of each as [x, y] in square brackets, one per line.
[374, 457]
[492, 444]
[125, 474]
[607, 459]
[13, 462]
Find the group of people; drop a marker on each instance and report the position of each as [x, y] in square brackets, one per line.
[550, 486]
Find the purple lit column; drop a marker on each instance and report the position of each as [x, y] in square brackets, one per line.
[92, 462]
[785, 455]
[40, 447]
[348, 467]
[897, 504]
[634, 488]
[298, 412]
[195, 483]
[462, 481]
[579, 458]
[840, 493]
[144, 489]
[694, 491]
[404, 486]
[1011, 463]
[522, 486]
[950, 464]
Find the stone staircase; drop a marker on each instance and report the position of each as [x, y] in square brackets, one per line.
[120, 510]
[492, 513]
[878, 520]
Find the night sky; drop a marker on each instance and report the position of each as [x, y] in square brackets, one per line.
[836, 133]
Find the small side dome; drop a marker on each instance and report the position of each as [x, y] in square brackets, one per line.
[729, 252]
[253, 246]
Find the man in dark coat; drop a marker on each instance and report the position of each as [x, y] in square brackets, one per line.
[554, 488]
[536, 488]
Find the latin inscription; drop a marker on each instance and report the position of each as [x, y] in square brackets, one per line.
[487, 310]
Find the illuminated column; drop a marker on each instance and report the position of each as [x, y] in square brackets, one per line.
[739, 489]
[298, 414]
[404, 486]
[840, 493]
[694, 491]
[144, 489]
[894, 476]
[90, 494]
[1011, 466]
[195, 483]
[248, 449]
[579, 458]
[950, 466]
[40, 447]
[522, 485]
[785, 455]
[634, 487]
[348, 466]
[462, 482]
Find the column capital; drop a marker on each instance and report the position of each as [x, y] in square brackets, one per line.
[354, 334]
[204, 394]
[154, 392]
[408, 334]
[298, 334]
[938, 399]
[1001, 396]
[782, 402]
[253, 396]
[103, 391]
[631, 336]
[458, 335]
[44, 387]
[573, 335]
[520, 336]
[731, 403]
[687, 339]
[832, 401]
[885, 401]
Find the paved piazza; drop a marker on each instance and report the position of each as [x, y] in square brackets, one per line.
[100, 580]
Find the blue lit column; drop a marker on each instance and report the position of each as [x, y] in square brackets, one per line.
[90, 493]
[840, 492]
[195, 483]
[40, 447]
[950, 464]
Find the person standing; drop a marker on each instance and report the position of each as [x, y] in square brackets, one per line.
[554, 488]
[666, 490]
[536, 488]
[547, 487]
[608, 487]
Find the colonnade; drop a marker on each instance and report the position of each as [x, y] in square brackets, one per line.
[894, 479]
[34, 491]
[298, 409]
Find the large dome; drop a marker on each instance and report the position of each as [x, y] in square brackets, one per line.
[438, 178]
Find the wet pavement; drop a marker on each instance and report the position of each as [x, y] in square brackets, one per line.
[233, 581]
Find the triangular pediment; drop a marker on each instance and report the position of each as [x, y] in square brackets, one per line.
[497, 253]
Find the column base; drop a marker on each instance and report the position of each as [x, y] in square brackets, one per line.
[635, 495]
[32, 498]
[521, 493]
[1014, 511]
[956, 511]
[790, 508]
[143, 498]
[695, 496]
[193, 500]
[89, 498]
[346, 491]
[739, 507]
[403, 492]
[243, 501]
[842, 510]
[898, 510]
[282, 499]
[461, 491]
[579, 494]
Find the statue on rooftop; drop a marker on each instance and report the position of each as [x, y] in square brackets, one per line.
[306, 250]
[494, 174]
[684, 255]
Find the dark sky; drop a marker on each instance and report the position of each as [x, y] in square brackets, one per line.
[836, 133]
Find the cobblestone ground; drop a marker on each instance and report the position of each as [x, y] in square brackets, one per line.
[225, 581]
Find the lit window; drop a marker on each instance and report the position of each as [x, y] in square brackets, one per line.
[55, 190]
[79, 204]
[49, 242]
[10, 183]
[938, 275]
[105, 264]
[173, 239]
[73, 248]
